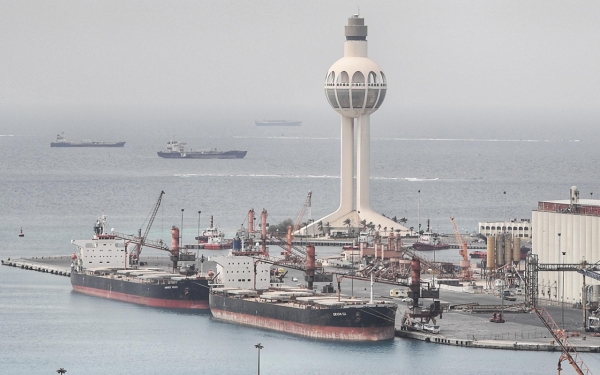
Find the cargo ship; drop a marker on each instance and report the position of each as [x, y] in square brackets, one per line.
[246, 296]
[176, 150]
[277, 123]
[427, 242]
[61, 141]
[102, 267]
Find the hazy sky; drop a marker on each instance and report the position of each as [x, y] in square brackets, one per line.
[249, 55]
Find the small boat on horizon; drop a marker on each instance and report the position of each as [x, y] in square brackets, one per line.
[277, 123]
[176, 150]
[21, 234]
[61, 141]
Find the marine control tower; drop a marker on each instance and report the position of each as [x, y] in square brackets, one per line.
[355, 87]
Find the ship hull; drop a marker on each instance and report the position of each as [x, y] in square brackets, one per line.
[428, 247]
[345, 324]
[203, 155]
[83, 144]
[185, 294]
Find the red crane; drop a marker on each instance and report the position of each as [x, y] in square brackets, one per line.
[466, 274]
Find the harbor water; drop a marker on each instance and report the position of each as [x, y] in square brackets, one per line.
[56, 195]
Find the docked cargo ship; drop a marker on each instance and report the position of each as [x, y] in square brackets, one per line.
[61, 141]
[428, 242]
[176, 150]
[254, 301]
[102, 267]
[277, 123]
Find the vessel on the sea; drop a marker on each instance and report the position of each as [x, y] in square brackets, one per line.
[277, 123]
[61, 141]
[102, 267]
[427, 242]
[213, 239]
[247, 297]
[176, 150]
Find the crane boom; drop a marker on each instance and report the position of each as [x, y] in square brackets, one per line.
[560, 336]
[305, 206]
[465, 265]
[142, 239]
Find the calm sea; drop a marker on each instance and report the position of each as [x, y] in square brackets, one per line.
[55, 195]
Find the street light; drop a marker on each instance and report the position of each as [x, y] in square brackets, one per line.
[259, 347]
[181, 233]
[419, 211]
[561, 289]
[504, 224]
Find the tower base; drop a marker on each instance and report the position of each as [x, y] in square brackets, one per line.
[339, 221]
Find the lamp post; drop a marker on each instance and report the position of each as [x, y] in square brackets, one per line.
[419, 211]
[181, 232]
[561, 289]
[259, 347]
[504, 224]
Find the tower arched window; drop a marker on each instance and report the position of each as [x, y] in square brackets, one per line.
[343, 79]
[372, 78]
[358, 90]
[331, 79]
[383, 80]
[343, 89]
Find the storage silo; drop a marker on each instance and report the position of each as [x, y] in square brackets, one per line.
[491, 248]
[516, 249]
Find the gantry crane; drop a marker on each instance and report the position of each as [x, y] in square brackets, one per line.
[466, 274]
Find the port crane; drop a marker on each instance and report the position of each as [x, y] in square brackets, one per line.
[466, 274]
[142, 239]
[292, 231]
[560, 336]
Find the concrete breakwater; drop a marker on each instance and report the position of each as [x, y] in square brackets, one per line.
[34, 265]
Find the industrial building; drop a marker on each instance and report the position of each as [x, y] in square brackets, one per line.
[566, 232]
[521, 229]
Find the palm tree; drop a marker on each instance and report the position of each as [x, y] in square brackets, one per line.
[403, 220]
[378, 227]
[385, 231]
[395, 219]
[348, 222]
[61, 370]
[364, 224]
[320, 227]
[328, 227]
[371, 226]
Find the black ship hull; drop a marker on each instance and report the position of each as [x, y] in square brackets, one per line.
[359, 323]
[183, 294]
[428, 247]
[84, 144]
[203, 155]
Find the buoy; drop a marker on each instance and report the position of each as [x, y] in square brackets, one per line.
[21, 234]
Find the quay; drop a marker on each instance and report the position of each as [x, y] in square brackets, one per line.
[465, 323]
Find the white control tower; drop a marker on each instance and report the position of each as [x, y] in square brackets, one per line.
[355, 87]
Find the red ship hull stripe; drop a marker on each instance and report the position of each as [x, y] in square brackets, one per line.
[307, 330]
[154, 302]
